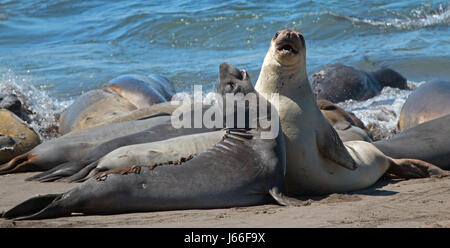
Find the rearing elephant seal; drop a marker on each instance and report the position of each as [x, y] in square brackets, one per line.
[337, 83]
[121, 96]
[429, 101]
[317, 161]
[237, 169]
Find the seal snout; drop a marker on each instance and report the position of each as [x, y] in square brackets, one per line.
[288, 42]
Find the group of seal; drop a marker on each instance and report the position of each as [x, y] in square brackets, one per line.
[121, 96]
[213, 174]
[208, 169]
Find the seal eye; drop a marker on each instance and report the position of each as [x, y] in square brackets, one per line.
[229, 87]
[276, 34]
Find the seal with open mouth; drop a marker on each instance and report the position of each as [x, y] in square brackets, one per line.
[317, 161]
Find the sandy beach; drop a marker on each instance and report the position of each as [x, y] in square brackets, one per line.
[389, 203]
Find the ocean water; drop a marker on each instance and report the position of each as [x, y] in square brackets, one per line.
[54, 50]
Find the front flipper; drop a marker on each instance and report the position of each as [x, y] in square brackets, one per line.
[284, 200]
[330, 146]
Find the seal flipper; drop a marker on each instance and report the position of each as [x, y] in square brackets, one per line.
[284, 200]
[31, 206]
[414, 168]
[338, 153]
[62, 170]
[21, 163]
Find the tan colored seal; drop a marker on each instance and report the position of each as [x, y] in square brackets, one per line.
[428, 102]
[317, 161]
[16, 137]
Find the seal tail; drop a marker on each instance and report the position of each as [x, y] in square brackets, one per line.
[39, 207]
[414, 168]
[61, 171]
[82, 175]
[21, 163]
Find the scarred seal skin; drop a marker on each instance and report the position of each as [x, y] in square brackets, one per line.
[236, 169]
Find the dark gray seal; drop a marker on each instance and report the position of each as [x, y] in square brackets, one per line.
[428, 141]
[216, 178]
[337, 83]
[429, 101]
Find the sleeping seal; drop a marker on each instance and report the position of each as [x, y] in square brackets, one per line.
[429, 101]
[337, 83]
[217, 177]
[121, 96]
[428, 141]
[317, 161]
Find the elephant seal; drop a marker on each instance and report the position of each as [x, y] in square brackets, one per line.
[217, 177]
[72, 148]
[347, 125]
[317, 161]
[429, 101]
[16, 137]
[337, 83]
[12, 103]
[428, 141]
[121, 96]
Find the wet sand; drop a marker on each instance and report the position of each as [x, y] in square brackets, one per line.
[389, 203]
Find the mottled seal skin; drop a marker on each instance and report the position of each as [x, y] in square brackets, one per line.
[16, 137]
[428, 141]
[118, 98]
[338, 82]
[429, 101]
[218, 177]
[73, 148]
[347, 125]
[317, 161]
[12, 103]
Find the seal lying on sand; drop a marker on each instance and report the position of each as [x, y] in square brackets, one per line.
[71, 148]
[16, 137]
[121, 96]
[337, 83]
[317, 161]
[347, 125]
[239, 169]
[429, 141]
[429, 101]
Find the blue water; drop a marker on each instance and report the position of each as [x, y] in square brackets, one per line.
[55, 50]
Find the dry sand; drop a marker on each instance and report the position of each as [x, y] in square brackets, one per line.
[389, 203]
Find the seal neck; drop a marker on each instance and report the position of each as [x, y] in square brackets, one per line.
[288, 80]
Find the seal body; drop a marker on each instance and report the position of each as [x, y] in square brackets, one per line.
[16, 137]
[317, 161]
[118, 98]
[429, 101]
[428, 141]
[347, 125]
[338, 82]
[74, 147]
[207, 170]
